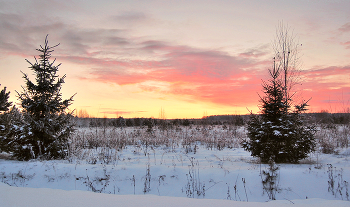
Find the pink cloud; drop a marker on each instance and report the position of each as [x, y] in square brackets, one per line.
[328, 87]
[345, 27]
[209, 76]
[323, 73]
[347, 44]
[332, 100]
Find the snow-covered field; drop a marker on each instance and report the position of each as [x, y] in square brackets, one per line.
[43, 197]
[170, 174]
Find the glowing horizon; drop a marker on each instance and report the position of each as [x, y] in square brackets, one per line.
[190, 59]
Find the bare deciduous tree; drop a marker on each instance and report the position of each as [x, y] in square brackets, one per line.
[287, 59]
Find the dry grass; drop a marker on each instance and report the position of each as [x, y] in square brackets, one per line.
[6, 156]
[100, 143]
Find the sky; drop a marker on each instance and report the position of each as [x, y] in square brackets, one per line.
[184, 58]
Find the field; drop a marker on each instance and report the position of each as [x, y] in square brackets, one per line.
[196, 161]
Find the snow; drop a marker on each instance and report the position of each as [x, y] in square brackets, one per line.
[43, 197]
[172, 176]
[277, 133]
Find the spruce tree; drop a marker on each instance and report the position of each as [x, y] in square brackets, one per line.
[4, 103]
[46, 120]
[278, 134]
[10, 129]
[4, 119]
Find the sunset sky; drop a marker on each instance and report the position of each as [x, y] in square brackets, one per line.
[189, 58]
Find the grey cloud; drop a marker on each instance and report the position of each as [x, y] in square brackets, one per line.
[256, 52]
[116, 41]
[152, 45]
[19, 37]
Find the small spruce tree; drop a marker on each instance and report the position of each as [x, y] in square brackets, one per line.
[4, 119]
[46, 122]
[278, 134]
[4, 103]
[10, 129]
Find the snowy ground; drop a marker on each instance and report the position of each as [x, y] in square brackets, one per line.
[166, 176]
[43, 197]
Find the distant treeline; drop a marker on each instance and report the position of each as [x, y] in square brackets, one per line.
[329, 118]
[237, 120]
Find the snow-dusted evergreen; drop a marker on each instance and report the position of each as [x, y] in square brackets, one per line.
[4, 118]
[46, 124]
[279, 134]
[11, 128]
[4, 103]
